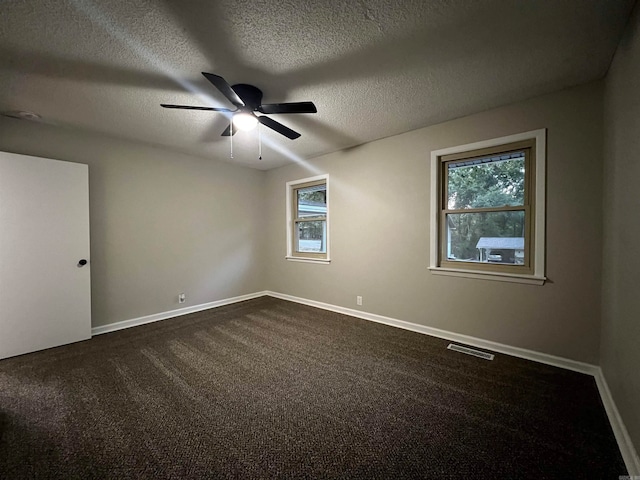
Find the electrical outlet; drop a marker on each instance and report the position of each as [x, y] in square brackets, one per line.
[359, 300]
[182, 298]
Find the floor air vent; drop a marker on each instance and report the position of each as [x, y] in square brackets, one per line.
[470, 351]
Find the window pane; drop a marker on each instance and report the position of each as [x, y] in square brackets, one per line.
[312, 201]
[311, 236]
[493, 181]
[487, 237]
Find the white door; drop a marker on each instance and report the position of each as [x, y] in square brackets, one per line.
[45, 297]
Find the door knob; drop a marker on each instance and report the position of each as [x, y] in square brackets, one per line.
[82, 263]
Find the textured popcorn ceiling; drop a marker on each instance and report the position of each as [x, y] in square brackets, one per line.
[373, 68]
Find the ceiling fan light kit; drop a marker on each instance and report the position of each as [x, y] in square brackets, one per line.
[245, 121]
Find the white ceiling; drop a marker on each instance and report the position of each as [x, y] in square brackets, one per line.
[374, 68]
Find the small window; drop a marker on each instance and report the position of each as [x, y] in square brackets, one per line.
[307, 219]
[486, 210]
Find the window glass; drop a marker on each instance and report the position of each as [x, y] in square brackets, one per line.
[312, 201]
[494, 181]
[487, 237]
[311, 236]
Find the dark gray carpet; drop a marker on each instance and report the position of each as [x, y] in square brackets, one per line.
[272, 389]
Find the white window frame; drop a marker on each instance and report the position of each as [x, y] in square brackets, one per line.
[299, 257]
[538, 276]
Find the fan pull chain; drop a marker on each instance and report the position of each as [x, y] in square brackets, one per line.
[259, 142]
[231, 136]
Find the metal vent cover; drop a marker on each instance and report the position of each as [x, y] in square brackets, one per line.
[470, 351]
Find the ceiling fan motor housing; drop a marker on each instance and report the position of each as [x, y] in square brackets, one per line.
[250, 95]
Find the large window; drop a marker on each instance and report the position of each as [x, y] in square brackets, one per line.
[307, 219]
[486, 213]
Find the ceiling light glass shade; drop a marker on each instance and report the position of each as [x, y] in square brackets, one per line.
[245, 121]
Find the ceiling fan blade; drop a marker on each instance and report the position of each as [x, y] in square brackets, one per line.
[187, 107]
[222, 85]
[297, 107]
[227, 131]
[278, 127]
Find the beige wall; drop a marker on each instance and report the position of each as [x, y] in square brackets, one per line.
[161, 222]
[379, 195]
[621, 258]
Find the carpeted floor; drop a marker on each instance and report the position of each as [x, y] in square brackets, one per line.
[272, 389]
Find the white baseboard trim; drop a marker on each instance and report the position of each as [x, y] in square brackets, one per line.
[456, 337]
[628, 451]
[112, 327]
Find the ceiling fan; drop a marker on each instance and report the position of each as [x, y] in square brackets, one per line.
[248, 100]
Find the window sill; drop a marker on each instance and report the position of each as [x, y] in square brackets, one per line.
[326, 261]
[495, 276]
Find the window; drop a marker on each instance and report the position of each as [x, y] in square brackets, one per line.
[308, 219]
[488, 209]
